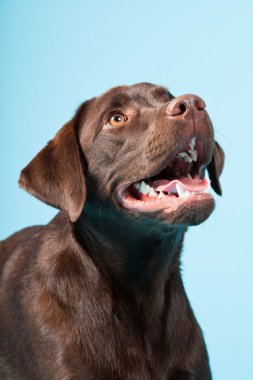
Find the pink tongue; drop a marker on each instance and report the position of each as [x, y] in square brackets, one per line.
[186, 183]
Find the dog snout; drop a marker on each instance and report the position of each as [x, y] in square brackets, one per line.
[185, 105]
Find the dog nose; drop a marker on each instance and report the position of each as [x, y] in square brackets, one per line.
[180, 106]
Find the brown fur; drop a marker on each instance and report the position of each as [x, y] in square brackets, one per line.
[97, 293]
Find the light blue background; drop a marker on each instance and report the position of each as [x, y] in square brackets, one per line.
[56, 54]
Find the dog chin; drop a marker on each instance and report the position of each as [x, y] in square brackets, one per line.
[190, 213]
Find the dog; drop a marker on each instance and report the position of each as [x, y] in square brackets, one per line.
[97, 293]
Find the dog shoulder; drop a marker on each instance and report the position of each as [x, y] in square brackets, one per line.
[17, 240]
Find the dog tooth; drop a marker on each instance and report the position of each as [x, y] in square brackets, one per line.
[161, 194]
[137, 185]
[148, 188]
[195, 155]
[180, 190]
[144, 188]
[192, 143]
[182, 154]
[152, 193]
[189, 176]
[189, 159]
[186, 194]
[186, 157]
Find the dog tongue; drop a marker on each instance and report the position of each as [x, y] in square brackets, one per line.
[188, 184]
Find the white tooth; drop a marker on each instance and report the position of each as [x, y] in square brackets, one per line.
[189, 158]
[195, 155]
[148, 188]
[137, 185]
[152, 193]
[189, 176]
[161, 194]
[186, 194]
[182, 154]
[144, 188]
[192, 143]
[186, 157]
[180, 190]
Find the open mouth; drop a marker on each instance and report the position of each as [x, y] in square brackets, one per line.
[182, 180]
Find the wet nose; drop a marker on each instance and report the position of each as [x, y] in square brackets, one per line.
[180, 106]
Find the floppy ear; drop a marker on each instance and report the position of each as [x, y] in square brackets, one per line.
[56, 175]
[215, 168]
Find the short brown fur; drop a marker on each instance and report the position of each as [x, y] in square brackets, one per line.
[97, 293]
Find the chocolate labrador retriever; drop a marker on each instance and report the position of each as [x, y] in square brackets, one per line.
[97, 293]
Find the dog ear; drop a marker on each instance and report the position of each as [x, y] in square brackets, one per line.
[215, 168]
[56, 176]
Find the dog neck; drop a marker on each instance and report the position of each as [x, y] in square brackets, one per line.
[136, 252]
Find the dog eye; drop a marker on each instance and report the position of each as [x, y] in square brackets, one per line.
[117, 120]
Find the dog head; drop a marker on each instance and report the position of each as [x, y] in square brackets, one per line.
[137, 148]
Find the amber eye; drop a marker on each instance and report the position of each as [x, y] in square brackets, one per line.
[117, 120]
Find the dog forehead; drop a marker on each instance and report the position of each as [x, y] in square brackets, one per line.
[90, 115]
[142, 94]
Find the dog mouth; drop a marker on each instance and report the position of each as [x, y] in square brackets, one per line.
[181, 181]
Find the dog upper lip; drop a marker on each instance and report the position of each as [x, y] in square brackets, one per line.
[188, 154]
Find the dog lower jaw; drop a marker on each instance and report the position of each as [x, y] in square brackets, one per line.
[190, 213]
[151, 204]
[190, 210]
